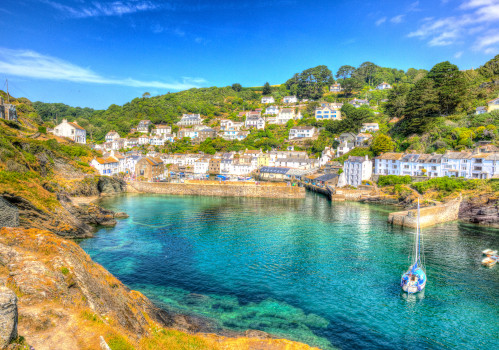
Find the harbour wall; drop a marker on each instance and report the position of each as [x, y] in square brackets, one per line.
[214, 188]
[429, 216]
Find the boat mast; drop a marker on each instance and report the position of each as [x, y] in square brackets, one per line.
[417, 237]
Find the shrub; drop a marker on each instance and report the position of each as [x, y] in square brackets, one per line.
[390, 180]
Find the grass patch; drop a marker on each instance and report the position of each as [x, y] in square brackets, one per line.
[118, 342]
[390, 180]
[64, 270]
[171, 339]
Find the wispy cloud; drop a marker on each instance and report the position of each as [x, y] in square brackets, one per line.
[104, 8]
[27, 63]
[397, 19]
[458, 54]
[476, 19]
[380, 21]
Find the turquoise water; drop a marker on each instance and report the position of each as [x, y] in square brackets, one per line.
[326, 274]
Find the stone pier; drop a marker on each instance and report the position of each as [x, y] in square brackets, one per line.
[429, 216]
[223, 189]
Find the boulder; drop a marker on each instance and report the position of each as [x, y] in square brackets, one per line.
[8, 316]
[120, 215]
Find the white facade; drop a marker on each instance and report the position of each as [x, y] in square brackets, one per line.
[383, 86]
[143, 140]
[301, 132]
[287, 114]
[344, 147]
[190, 119]
[72, 131]
[106, 166]
[254, 122]
[143, 126]
[162, 130]
[357, 169]
[369, 127]
[272, 110]
[290, 99]
[268, 99]
[111, 136]
[201, 166]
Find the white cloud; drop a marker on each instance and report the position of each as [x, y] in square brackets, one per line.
[397, 19]
[157, 28]
[458, 54]
[477, 17]
[26, 63]
[106, 8]
[380, 21]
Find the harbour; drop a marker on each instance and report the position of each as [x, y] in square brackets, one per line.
[319, 272]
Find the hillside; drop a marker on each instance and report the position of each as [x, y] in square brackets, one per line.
[426, 111]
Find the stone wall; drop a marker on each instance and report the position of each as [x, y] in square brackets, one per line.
[219, 190]
[9, 214]
[429, 216]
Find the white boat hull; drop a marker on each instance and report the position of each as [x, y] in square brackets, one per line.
[413, 288]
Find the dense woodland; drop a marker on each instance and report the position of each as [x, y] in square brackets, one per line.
[434, 109]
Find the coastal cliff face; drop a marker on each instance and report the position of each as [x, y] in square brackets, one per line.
[67, 301]
[482, 210]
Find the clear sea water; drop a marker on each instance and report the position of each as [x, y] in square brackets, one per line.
[326, 274]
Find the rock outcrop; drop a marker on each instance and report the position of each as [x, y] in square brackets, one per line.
[8, 316]
[110, 185]
[480, 210]
[67, 301]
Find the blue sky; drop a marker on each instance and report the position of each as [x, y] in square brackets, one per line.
[93, 53]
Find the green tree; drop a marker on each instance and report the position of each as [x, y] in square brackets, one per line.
[366, 72]
[345, 72]
[350, 85]
[449, 83]
[146, 95]
[237, 87]
[491, 68]
[267, 90]
[397, 99]
[421, 108]
[311, 82]
[381, 144]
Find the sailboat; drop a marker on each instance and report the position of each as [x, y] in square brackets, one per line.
[414, 280]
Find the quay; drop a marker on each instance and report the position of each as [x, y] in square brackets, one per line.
[220, 189]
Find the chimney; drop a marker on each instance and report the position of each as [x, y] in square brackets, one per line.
[64, 120]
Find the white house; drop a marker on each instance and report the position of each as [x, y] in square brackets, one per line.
[272, 110]
[369, 127]
[290, 99]
[71, 130]
[485, 165]
[143, 140]
[387, 163]
[201, 165]
[144, 126]
[106, 166]
[131, 142]
[287, 114]
[357, 169]
[383, 86]
[301, 132]
[327, 113]
[335, 88]
[111, 136]
[344, 147]
[254, 122]
[358, 103]
[156, 141]
[190, 119]
[162, 129]
[192, 133]
[268, 99]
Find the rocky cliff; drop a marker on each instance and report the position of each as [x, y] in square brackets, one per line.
[67, 301]
[480, 210]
